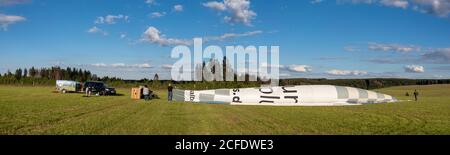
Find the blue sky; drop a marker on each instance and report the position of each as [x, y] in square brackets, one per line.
[317, 38]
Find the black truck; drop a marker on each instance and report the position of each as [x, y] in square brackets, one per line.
[99, 87]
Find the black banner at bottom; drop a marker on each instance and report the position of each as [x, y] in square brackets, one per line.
[197, 143]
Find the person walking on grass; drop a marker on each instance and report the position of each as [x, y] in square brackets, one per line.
[416, 94]
[146, 93]
[169, 92]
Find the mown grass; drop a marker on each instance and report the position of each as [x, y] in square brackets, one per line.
[36, 110]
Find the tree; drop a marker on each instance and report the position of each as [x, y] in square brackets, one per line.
[25, 72]
[156, 77]
[18, 73]
[33, 72]
[9, 73]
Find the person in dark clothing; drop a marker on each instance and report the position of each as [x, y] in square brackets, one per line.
[416, 94]
[170, 92]
[146, 93]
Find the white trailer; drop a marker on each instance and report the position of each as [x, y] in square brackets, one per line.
[65, 86]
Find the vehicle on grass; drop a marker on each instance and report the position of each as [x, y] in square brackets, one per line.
[65, 86]
[99, 88]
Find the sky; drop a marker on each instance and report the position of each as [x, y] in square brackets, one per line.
[133, 39]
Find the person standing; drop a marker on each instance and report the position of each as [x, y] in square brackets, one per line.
[146, 93]
[416, 94]
[88, 91]
[169, 92]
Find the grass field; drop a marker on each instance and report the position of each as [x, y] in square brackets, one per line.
[36, 110]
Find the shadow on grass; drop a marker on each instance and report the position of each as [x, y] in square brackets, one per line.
[103, 95]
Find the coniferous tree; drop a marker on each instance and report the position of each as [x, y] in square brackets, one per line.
[156, 77]
[18, 74]
[32, 72]
[25, 73]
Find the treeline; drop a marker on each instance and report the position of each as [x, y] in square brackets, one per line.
[48, 77]
[374, 83]
[45, 76]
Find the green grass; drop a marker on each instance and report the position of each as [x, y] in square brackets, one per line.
[36, 110]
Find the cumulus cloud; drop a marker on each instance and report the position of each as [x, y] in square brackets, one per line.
[110, 19]
[215, 5]
[13, 2]
[6, 20]
[393, 47]
[299, 68]
[95, 29]
[153, 35]
[178, 8]
[238, 10]
[346, 72]
[414, 69]
[157, 14]
[122, 65]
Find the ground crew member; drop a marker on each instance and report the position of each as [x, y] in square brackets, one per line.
[146, 93]
[169, 92]
[416, 94]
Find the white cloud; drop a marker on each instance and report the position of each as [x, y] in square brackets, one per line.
[153, 35]
[414, 69]
[232, 35]
[110, 19]
[316, 1]
[215, 5]
[438, 55]
[95, 29]
[299, 68]
[122, 65]
[144, 65]
[239, 10]
[166, 66]
[117, 65]
[395, 3]
[393, 47]
[99, 65]
[346, 72]
[13, 2]
[6, 20]
[439, 8]
[178, 8]
[150, 2]
[157, 14]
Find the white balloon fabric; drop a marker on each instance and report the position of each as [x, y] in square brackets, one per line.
[305, 95]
